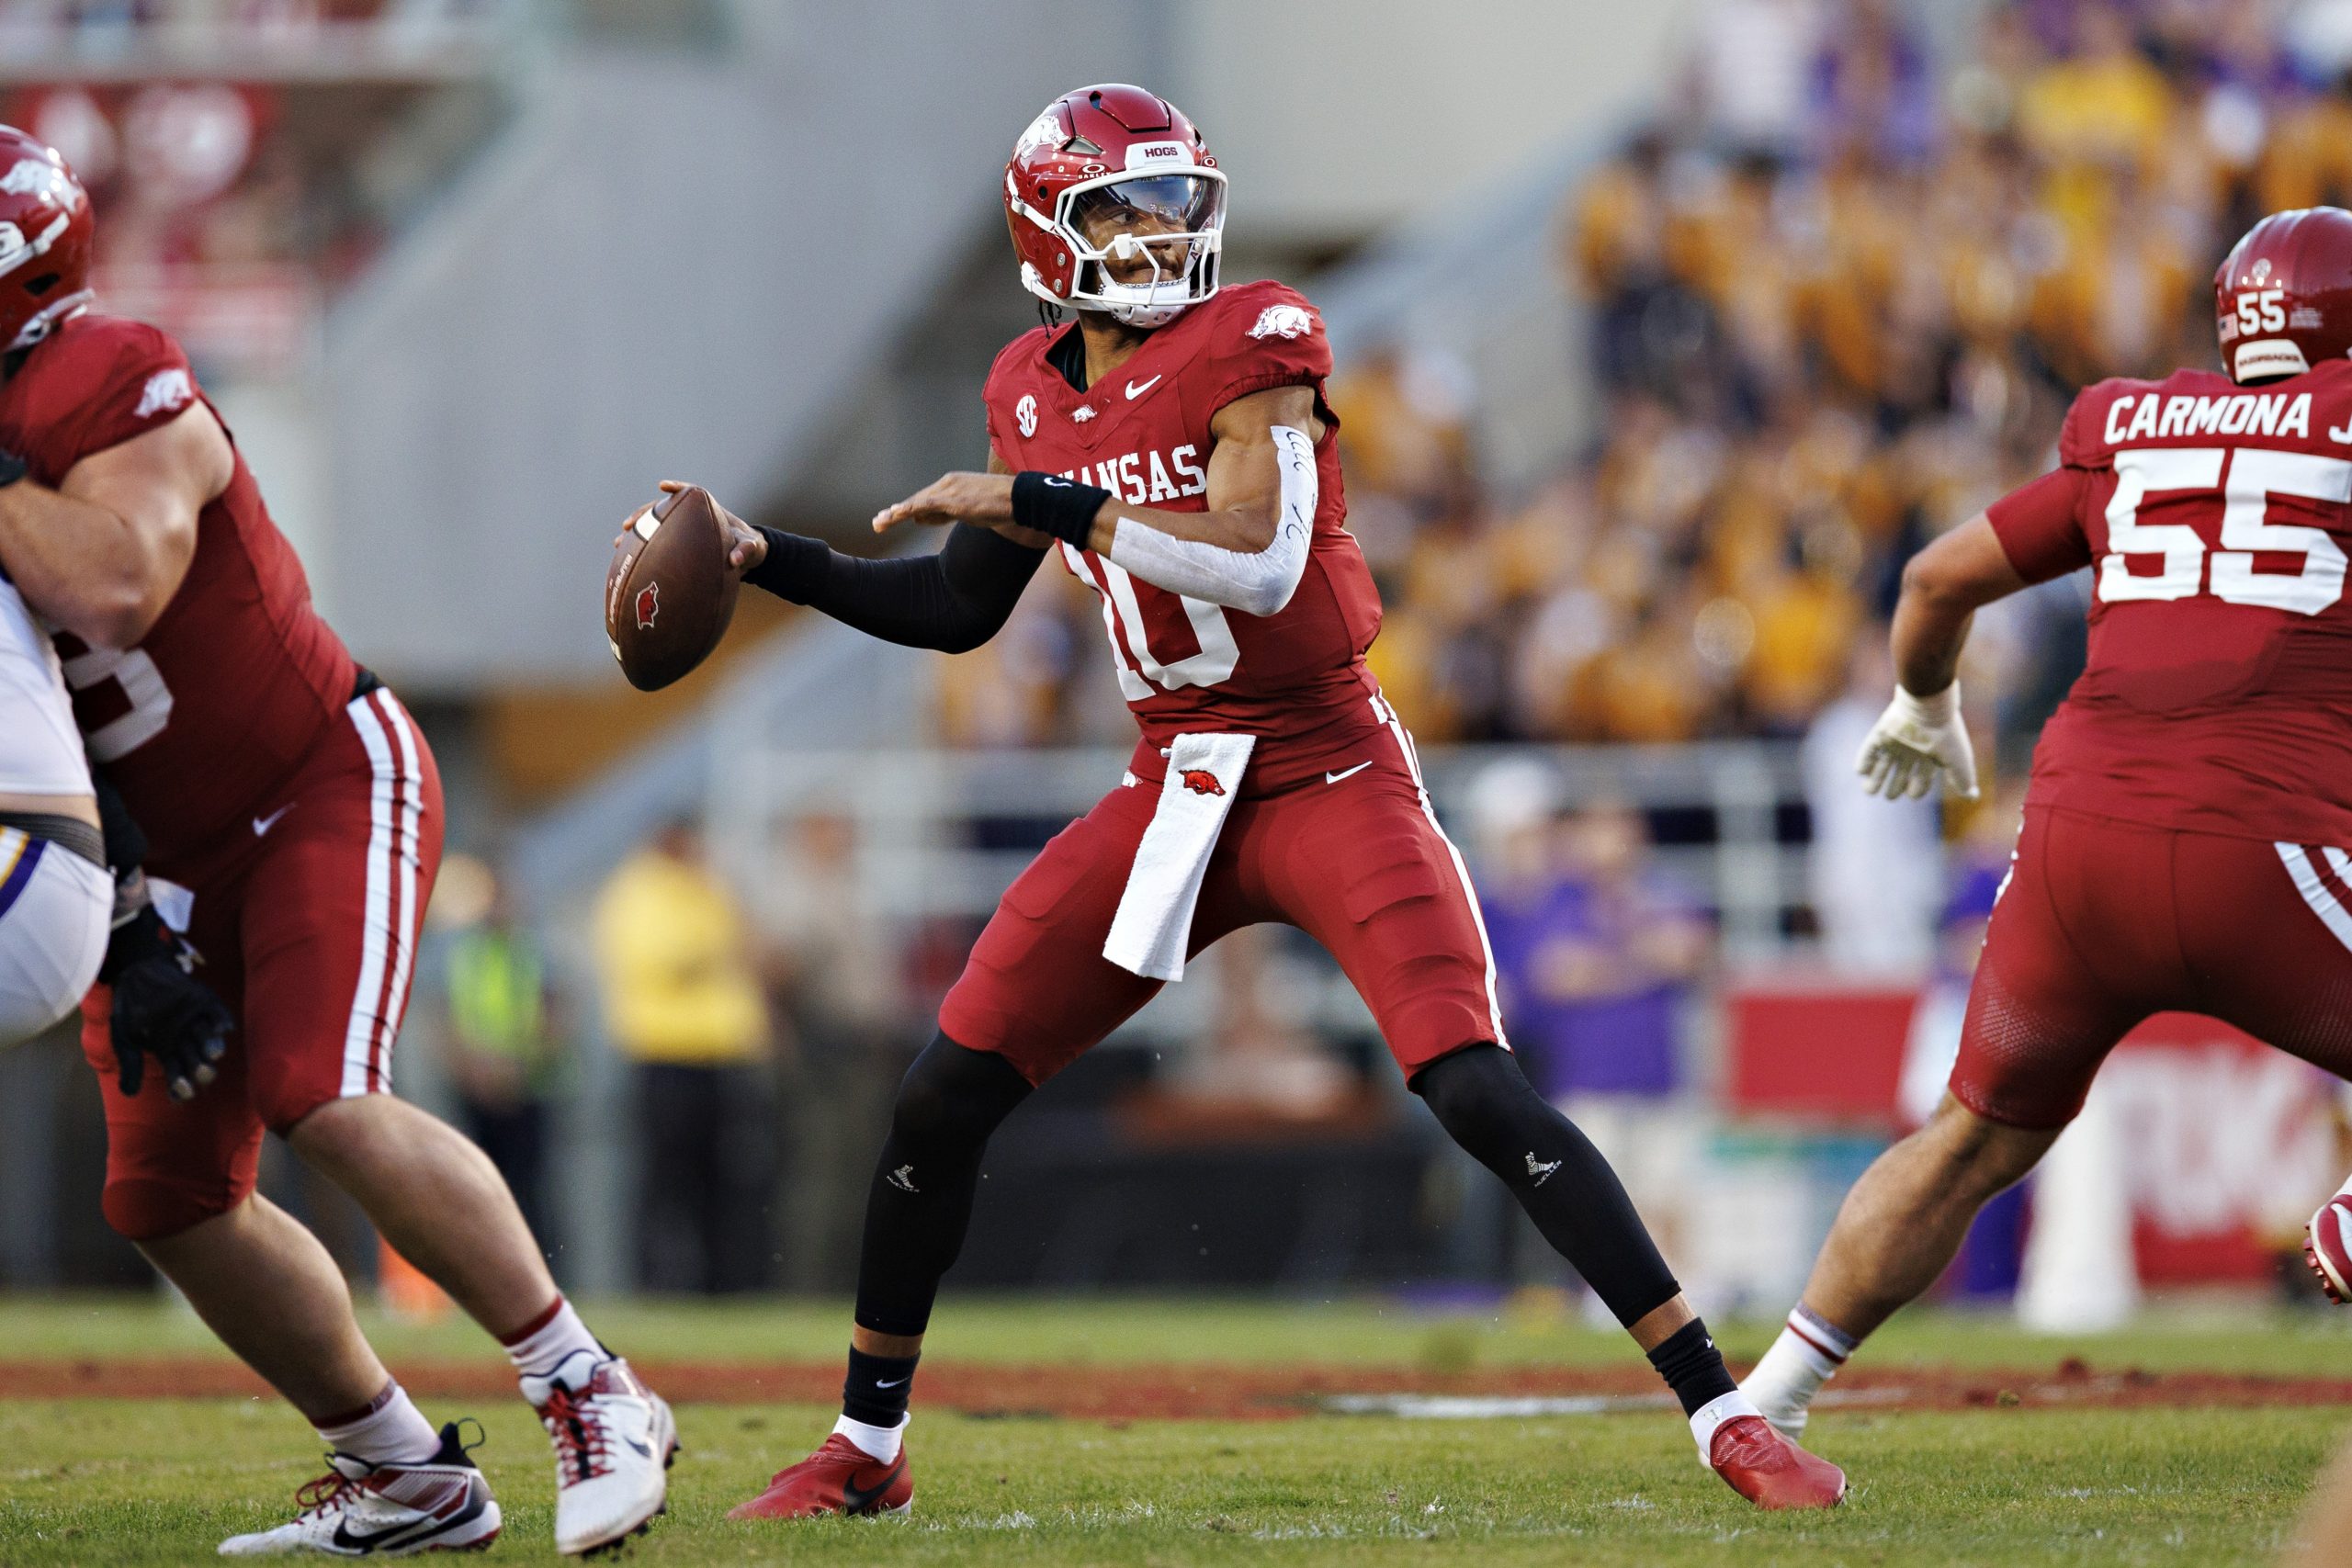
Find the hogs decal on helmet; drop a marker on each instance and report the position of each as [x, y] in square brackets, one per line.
[1115, 205]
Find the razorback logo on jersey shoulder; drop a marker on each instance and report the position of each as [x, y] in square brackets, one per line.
[1283, 321]
[165, 390]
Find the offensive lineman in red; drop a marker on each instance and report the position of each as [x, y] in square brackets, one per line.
[1172, 448]
[2184, 845]
[287, 790]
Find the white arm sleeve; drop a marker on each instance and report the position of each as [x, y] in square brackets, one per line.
[1256, 584]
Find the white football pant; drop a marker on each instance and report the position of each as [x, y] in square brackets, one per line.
[55, 910]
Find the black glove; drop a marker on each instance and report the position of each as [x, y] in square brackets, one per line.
[12, 468]
[161, 1008]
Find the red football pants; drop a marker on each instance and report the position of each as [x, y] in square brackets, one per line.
[1358, 862]
[309, 934]
[2103, 923]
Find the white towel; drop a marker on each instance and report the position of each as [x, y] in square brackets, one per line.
[1153, 924]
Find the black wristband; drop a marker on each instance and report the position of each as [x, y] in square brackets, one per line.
[12, 468]
[1055, 505]
[794, 567]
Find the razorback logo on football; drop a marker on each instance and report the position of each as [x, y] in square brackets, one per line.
[1200, 781]
[649, 604]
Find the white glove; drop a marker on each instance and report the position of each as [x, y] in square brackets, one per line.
[1914, 740]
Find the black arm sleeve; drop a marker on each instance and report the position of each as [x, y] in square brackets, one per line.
[953, 601]
[126, 843]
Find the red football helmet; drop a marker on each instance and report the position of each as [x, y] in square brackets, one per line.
[1107, 182]
[2283, 295]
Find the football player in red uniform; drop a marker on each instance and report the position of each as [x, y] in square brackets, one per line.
[287, 790]
[1172, 448]
[2184, 845]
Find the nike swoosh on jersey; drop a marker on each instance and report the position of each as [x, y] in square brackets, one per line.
[1134, 392]
[262, 825]
[1345, 773]
[856, 1498]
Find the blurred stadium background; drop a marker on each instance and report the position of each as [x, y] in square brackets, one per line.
[1666, 332]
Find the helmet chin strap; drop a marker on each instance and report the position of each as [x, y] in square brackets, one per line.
[38, 327]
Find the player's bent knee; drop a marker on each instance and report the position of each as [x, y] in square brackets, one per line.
[1979, 1154]
[1478, 1095]
[952, 1095]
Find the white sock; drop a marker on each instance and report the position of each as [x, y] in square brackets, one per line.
[1806, 1355]
[559, 1333]
[880, 1444]
[391, 1431]
[1714, 1413]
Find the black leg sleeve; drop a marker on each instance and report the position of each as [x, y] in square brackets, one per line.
[922, 1199]
[1481, 1098]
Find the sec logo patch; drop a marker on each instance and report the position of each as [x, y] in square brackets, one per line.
[1025, 414]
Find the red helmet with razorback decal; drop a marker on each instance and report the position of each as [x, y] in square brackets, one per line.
[2282, 299]
[45, 231]
[1115, 205]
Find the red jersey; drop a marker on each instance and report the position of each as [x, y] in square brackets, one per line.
[2218, 695]
[238, 677]
[1297, 678]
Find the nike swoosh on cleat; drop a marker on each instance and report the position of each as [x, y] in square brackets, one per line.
[1345, 773]
[641, 1448]
[856, 1499]
[1133, 391]
[414, 1531]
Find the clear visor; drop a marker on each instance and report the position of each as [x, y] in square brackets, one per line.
[1147, 206]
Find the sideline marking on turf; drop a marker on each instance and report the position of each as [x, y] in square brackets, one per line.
[1491, 1407]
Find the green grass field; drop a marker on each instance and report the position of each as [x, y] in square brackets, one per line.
[161, 1480]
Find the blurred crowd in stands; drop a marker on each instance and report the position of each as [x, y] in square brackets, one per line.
[245, 155]
[1836, 304]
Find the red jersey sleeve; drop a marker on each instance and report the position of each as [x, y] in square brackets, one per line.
[2040, 525]
[1274, 339]
[113, 379]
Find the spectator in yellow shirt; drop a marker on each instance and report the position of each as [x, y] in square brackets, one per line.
[683, 1003]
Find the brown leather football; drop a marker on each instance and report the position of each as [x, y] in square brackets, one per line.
[669, 592]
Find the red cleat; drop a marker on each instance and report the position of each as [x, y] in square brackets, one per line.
[839, 1478]
[2327, 1248]
[1771, 1471]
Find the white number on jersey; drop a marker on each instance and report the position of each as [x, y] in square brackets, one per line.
[2256, 474]
[142, 685]
[1218, 657]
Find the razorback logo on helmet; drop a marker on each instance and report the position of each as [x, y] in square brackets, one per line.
[164, 390]
[1283, 321]
[38, 176]
[1044, 133]
[649, 605]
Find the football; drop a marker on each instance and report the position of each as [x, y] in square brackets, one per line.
[669, 592]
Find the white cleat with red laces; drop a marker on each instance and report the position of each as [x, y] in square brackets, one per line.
[613, 1441]
[358, 1509]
